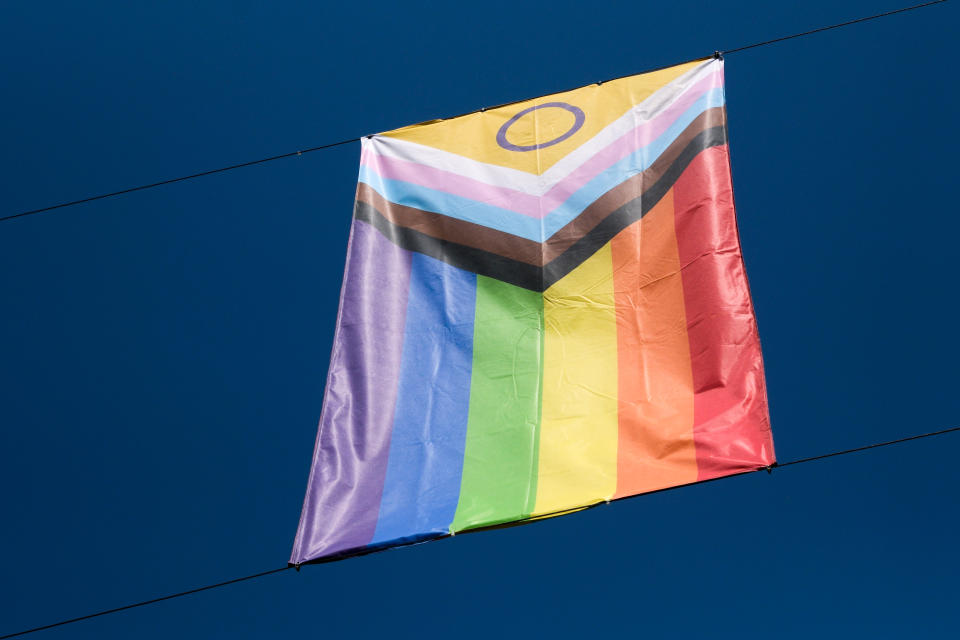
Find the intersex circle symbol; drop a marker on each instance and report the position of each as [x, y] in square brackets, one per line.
[578, 119]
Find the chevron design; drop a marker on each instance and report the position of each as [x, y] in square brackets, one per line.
[531, 229]
[544, 307]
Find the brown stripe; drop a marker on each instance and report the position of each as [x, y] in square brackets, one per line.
[528, 251]
[453, 230]
[629, 189]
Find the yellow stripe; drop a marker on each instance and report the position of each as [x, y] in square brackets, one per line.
[579, 426]
[475, 135]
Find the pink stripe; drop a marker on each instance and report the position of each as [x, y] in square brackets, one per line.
[626, 144]
[416, 173]
[524, 203]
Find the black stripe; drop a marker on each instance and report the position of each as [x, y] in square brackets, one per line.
[529, 276]
[478, 261]
[632, 211]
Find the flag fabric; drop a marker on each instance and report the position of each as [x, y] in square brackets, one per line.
[544, 307]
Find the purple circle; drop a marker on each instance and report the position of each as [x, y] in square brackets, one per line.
[578, 119]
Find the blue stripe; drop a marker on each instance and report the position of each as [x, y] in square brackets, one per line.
[422, 485]
[413, 195]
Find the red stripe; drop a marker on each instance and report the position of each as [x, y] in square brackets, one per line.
[731, 422]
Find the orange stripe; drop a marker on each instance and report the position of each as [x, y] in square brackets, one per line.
[656, 447]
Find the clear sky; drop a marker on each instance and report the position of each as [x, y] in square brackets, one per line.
[163, 354]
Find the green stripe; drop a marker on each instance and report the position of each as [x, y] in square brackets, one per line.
[499, 481]
[535, 470]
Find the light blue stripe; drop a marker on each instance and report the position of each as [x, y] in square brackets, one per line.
[413, 195]
[422, 485]
[638, 161]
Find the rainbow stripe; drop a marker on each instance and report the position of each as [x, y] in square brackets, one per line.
[544, 307]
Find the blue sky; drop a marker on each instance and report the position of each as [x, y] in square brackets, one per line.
[163, 353]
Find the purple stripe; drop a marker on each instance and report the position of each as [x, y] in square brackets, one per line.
[350, 458]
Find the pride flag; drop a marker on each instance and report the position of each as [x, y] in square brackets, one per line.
[544, 307]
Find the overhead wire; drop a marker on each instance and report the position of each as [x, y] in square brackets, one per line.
[835, 26]
[343, 142]
[540, 518]
[180, 179]
[867, 447]
[330, 145]
[144, 603]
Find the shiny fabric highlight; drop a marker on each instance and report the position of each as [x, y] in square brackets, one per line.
[544, 307]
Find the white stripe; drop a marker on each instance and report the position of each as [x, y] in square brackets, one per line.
[657, 103]
[533, 184]
[452, 162]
